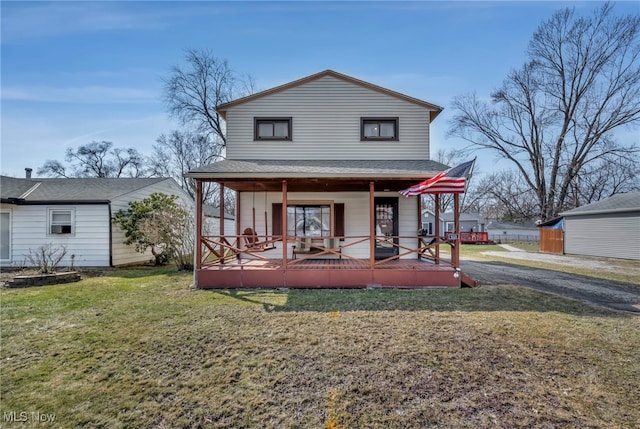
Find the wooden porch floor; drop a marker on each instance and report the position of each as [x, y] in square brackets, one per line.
[327, 273]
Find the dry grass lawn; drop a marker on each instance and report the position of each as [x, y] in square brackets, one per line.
[139, 348]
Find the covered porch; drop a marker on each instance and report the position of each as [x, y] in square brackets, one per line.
[285, 257]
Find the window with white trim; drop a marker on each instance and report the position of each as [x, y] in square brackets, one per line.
[60, 221]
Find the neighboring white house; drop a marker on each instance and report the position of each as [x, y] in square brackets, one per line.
[320, 161]
[608, 228]
[469, 222]
[212, 220]
[76, 214]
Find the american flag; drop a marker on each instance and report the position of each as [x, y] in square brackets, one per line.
[451, 181]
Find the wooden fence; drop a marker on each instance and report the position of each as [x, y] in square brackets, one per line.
[552, 241]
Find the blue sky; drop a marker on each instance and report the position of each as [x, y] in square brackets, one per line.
[74, 72]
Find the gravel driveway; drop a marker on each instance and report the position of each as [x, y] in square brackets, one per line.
[603, 293]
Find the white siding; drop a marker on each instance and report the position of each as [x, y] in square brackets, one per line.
[326, 124]
[89, 242]
[356, 216]
[612, 235]
[212, 226]
[124, 254]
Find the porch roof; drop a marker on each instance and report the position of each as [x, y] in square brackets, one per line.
[317, 175]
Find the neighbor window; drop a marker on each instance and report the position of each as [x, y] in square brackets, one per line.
[379, 129]
[60, 221]
[272, 128]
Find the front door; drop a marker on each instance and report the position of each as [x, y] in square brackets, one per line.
[386, 226]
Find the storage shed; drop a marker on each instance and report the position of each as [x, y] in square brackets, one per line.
[607, 228]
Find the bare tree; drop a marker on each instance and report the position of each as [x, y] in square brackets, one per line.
[614, 174]
[97, 159]
[506, 197]
[193, 93]
[556, 116]
[181, 151]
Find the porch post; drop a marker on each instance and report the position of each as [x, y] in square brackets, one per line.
[419, 224]
[198, 248]
[221, 210]
[455, 256]
[238, 207]
[372, 226]
[285, 226]
[221, 223]
[436, 231]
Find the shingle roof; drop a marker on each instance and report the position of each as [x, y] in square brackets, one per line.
[615, 204]
[63, 189]
[319, 168]
[11, 187]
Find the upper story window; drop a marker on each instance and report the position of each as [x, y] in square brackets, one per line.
[272, 128]
[378, 128]
[60, 221]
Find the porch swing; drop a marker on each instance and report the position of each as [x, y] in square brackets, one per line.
[249, 235]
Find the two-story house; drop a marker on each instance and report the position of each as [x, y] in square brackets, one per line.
[317, 165]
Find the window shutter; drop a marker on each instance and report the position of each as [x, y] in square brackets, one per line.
[276, 218]
[338, 211]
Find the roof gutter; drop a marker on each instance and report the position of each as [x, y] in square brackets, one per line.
[602, 211]
[56, 202]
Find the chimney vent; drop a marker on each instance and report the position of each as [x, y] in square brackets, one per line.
[27, 172]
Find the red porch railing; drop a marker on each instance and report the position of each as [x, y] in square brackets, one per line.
[219, 250]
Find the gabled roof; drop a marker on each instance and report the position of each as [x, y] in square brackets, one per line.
[619, 203]
[435, 110]
[38, 190]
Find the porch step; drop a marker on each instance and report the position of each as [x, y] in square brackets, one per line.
[467, 281]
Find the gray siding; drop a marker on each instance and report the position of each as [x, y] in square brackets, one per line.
[326, 124]
[606, 235]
